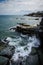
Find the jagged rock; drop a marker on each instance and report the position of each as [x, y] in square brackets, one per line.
[41, 24]
[25, 29]
[41, 34]
[4, 60]
[2, 46]
[7, 52]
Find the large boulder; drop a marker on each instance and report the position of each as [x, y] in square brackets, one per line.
[4, 60]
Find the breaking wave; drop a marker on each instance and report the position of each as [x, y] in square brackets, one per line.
[23, 46]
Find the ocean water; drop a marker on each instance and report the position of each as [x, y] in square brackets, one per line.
[23, 43]
[7, 21]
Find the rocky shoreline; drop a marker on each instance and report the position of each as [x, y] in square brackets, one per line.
[8, 54]
[35, 14]
[25, 29]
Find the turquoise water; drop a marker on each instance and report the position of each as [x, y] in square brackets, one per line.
[7, 21]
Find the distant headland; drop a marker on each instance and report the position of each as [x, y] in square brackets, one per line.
[35, 14]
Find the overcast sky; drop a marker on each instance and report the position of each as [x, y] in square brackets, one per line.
[16, 7]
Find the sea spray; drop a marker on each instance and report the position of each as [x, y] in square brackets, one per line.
[22, 51]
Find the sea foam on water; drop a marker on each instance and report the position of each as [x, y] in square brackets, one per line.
[24, 50]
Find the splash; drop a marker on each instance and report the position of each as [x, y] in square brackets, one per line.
[22, 51]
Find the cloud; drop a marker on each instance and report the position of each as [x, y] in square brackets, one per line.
[18, 6]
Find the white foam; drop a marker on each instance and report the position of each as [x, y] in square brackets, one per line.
[14, 42]
[25, 50]
[13, 39]
[22, 53]
[34, 41]
[12, 30]
[9, 39]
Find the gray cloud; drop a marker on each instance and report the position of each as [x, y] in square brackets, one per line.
[17, 6]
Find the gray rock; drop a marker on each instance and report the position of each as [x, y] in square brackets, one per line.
[32, 60]
[41, 23]
[7, 52]
[41, 35]
[29, 60]
[33, 52]
[2, 46]
[4, 60]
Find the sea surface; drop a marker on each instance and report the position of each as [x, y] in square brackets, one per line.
[7, 21]
[23, 43]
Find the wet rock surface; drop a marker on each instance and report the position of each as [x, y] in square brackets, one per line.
[30, 60]
[2, 45]
[4, 60]
[41, 34]
[7, 52]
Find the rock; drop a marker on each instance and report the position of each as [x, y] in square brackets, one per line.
[3, 41]
[41, 34]
[29, 60]
[33, 52]
[2, 46]
[35, 14]
[7, 52]
[32, 60]
[25, 29]
[4, 60]
[37, 19]
[41, 23]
